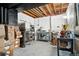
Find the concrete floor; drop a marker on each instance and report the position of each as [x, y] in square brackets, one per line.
[38, 48]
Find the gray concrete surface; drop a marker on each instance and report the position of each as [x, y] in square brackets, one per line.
[38, 48]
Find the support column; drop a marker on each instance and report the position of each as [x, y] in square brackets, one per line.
[50, 27]
[3, 15]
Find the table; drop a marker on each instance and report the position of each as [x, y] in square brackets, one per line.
[65, 49]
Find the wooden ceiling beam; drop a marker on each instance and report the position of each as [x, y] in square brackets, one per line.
[29, 14]
[58, 9]
[53, 9]
[57, 5]
[32, 13]
[35, 12]
[48, 8]
[42, 12]
[64, 5]
[39, 11]
[64, 9]
[42, 9]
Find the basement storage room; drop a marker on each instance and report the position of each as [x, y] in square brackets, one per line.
[39, 29]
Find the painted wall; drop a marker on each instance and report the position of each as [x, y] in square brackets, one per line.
[25, 18]
[71, 17]
[44, 22]
[57, 20]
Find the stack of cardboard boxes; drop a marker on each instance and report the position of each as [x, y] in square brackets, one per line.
[9, 39]
[2, 37]
[17, 37]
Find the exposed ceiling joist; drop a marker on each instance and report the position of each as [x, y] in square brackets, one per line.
[48, 9]
[42, 8]
[37, 12]
[32, 12]
[29, 14]
[40, 11]
[53, 8]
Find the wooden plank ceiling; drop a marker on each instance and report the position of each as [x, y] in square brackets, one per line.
[46, 10]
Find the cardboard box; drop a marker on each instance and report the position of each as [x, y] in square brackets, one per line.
[2, 31]
[77, 45]
[10, 50]
[54, 41]
[17, 31]
[17, 43]
[2, 44]
[17, 46]
[1, 50]
[11, 34]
